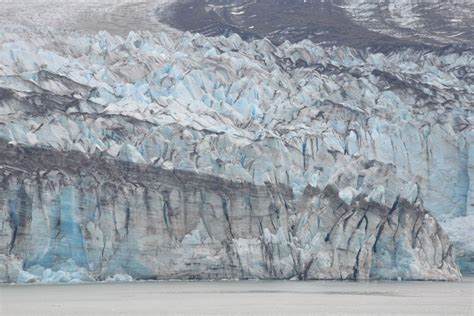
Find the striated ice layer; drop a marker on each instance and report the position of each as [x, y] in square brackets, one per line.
[218, 158]
[428, 21]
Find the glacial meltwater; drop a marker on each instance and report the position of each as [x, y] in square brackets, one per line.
[241, 298]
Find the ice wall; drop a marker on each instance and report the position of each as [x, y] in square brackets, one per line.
[91, 219]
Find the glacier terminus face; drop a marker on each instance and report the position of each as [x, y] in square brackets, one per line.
[148, 157]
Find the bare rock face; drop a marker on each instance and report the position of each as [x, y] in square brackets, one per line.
[217, 158]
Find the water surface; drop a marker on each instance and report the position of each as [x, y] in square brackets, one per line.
[241, 298]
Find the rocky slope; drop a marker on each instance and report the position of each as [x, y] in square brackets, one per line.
[375, 24]
[435, 22]
[219, 158]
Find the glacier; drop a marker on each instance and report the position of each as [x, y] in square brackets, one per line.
[213, 158]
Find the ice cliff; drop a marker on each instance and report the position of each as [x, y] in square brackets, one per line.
[217, 158]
